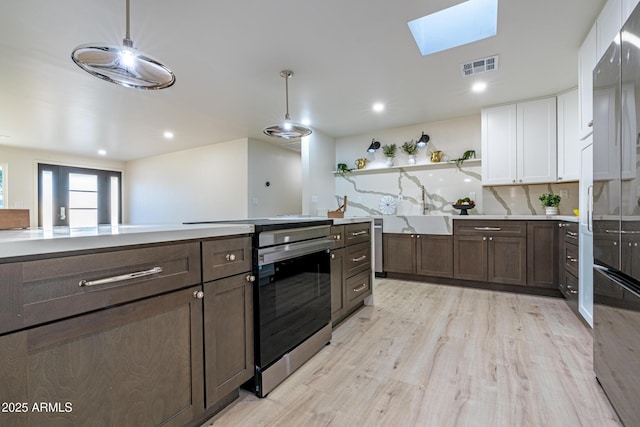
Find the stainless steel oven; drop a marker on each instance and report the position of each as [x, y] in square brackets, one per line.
[293, 299]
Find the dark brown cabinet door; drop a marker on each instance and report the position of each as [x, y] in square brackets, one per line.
[470, 258]
[137, 364]
[228, 335]
[399, 253]
[507, 260]
[434, 255]
[542, 254]
[338, 305]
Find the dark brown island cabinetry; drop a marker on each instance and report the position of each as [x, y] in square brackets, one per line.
[228, 318]
[350, 268]
[134, 357]
[490, 251]
[420, 254]
[569, 263]
[128, 335]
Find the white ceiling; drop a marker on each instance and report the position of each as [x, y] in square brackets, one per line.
[227, 55]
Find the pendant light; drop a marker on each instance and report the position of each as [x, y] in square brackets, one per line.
[123, 65]
[287, 129]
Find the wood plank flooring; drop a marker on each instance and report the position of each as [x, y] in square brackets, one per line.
[435, 355]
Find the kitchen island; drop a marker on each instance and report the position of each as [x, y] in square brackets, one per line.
[111, 326]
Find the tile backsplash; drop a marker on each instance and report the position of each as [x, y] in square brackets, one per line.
[444, 184]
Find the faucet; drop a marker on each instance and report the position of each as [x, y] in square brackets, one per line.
[424, 201]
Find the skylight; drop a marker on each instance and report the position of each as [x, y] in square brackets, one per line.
[455, 26]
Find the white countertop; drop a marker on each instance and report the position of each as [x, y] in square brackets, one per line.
[14, 243]
[568, 218]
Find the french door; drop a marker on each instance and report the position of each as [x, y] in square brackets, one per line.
[78, 197]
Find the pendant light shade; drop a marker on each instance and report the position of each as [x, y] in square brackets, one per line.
[287, 129]
[123, 65]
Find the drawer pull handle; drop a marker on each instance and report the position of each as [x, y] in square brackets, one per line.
[360, 258]
[360, 288]
[571, 290]
[572, 234]
[359, 233]
[336, 237]
[621, 232]
[572, 259]
[231, 257]
[121, 278]
[487, 228]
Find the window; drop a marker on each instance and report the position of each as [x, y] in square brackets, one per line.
[78, 197]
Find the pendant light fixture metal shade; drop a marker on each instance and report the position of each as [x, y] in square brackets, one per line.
[123, 65]
[287, 129]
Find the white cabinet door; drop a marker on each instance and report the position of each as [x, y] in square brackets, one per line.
[568, 137]
[585, 243]
[536, 141]
[499, 145]
[608, 25]
[627, 8]
[587, 60]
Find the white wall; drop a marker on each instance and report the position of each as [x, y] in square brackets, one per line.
[453, 137]
[318, 183]
[282, 169]
[21, 174]
[204, 183]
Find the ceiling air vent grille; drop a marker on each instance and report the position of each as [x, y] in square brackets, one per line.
[478, 66]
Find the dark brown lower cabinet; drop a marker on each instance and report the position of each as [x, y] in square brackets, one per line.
[137, 364]
[434, 255]
[542, 254]
[470, 259]
[423, 254]
[228, 335]
[338, 300]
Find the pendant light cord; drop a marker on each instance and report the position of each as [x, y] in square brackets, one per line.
[127, 37]
[286, 91]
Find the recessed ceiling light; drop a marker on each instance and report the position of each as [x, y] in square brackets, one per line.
[479, 87]
[102, 152]
[168, 134]
[378, 107]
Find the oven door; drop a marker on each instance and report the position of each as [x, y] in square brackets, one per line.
[294, 302]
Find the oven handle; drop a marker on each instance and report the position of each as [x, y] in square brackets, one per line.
[293, 250]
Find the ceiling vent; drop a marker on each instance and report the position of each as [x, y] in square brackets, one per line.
[478, 66]
[295, 146]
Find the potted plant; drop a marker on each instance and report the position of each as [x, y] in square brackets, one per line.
[389, 151]
[410, 149]
[550, 203]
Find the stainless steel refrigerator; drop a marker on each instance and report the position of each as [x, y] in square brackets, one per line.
[616, 222]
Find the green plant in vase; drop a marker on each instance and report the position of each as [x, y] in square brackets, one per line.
[389, 151]
[410, 149]
[550, 203]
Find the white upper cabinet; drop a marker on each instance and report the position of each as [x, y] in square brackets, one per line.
[608, 25]
[519, 143]
[568, 137]
[587, 60]
[499, 145]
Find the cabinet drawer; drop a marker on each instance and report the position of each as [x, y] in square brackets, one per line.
[357, 258]
[570, 259]
[357, 233]
[225, 257]
[492, 228]
[337, 233]
[570, 291]
[358, 287]
[569, 232]
[44, 290]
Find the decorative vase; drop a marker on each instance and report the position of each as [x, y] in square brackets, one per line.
[389, 161]
[412, 160]
[551, 210]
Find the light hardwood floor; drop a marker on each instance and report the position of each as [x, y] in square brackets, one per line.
[435, 355]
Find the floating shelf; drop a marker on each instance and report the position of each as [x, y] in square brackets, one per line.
[383, 169]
